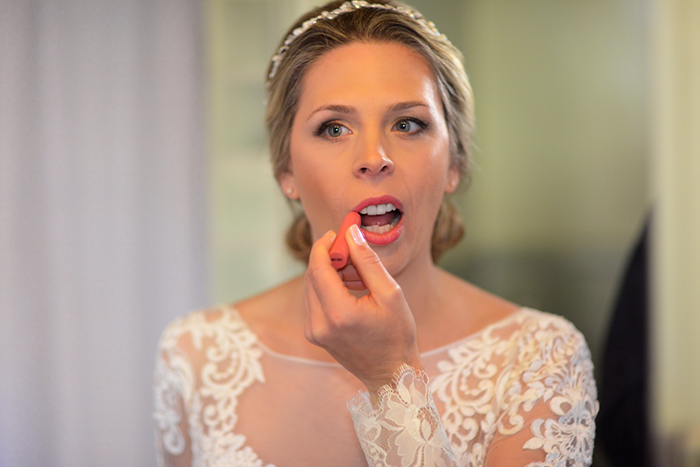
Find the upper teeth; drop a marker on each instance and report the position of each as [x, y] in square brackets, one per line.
[378, 209]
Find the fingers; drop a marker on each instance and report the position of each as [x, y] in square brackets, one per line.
[355, 328]
[313, 314]
[363, 272]
[319, 266]
[328, 288]
[327, 301]
[351, 278]
[367, 263]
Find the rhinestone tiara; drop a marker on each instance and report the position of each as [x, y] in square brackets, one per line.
[347, 7]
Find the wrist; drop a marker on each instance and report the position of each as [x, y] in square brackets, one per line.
[387, 382]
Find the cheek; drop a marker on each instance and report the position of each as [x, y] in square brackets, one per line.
[318, 191]
[314, 179]
[433, 180]
[437, 168]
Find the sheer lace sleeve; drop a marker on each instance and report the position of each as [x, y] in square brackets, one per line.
[550, 402]
[206, 360]
[525, 398]
[172, 391]
[405, 428]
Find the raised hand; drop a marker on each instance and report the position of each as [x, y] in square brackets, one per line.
[372, 335]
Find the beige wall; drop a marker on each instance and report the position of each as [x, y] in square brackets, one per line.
[676, 175]
[248, 213]
[560, 187]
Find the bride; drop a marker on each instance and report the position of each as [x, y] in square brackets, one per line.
[389, 360]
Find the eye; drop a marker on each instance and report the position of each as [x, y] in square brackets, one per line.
[409, 125]
[332, 130]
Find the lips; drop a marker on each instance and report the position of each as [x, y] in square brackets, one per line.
[382, 219]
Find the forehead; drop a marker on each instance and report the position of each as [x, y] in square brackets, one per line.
[369, 72]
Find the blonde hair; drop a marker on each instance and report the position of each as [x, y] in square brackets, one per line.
[370, 25]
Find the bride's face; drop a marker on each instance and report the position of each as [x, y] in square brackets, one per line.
[370, 136]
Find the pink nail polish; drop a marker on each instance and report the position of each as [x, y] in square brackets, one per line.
[357, 235]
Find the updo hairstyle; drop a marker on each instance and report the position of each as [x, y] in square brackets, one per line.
[370, 25]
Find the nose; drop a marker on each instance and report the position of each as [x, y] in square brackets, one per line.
[372, 160]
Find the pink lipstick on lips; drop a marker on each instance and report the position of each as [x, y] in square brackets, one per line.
[377, 217]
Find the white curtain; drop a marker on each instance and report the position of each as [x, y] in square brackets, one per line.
[101, 220]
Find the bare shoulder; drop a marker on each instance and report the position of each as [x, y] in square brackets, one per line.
[280, 305]
[276, 316]
[477, 300]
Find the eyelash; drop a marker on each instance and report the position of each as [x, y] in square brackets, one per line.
[423, 126]
[323, 127]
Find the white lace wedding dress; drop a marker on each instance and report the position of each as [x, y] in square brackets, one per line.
[519, 389]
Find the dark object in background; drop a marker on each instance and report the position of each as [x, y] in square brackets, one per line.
[623, 421]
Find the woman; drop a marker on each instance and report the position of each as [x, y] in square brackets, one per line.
[390, 360]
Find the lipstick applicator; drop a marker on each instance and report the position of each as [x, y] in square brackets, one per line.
[339, 251]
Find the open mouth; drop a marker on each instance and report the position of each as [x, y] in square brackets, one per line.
[380, 218]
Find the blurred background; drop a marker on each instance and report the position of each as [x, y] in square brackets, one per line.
[135, 187]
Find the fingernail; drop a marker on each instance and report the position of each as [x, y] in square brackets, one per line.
[356, 235]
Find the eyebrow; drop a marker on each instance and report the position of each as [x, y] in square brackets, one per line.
[343, 109]
[407, 105]
[346, 109]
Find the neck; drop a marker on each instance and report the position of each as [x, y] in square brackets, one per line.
[421, 283]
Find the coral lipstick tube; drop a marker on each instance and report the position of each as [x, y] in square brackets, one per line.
[339, 250]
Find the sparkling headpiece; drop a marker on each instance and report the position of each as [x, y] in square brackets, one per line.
[347, 7]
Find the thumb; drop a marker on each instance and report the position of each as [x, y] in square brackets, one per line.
[367, 263]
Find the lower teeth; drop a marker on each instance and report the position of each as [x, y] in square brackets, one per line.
[380, 229]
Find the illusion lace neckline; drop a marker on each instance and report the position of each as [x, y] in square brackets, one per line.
[319, 363]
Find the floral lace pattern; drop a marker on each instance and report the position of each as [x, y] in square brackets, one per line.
[170, 383]
[526, 380]
[489, 387]
[405, 429]
[562, 375]
[232, 365]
